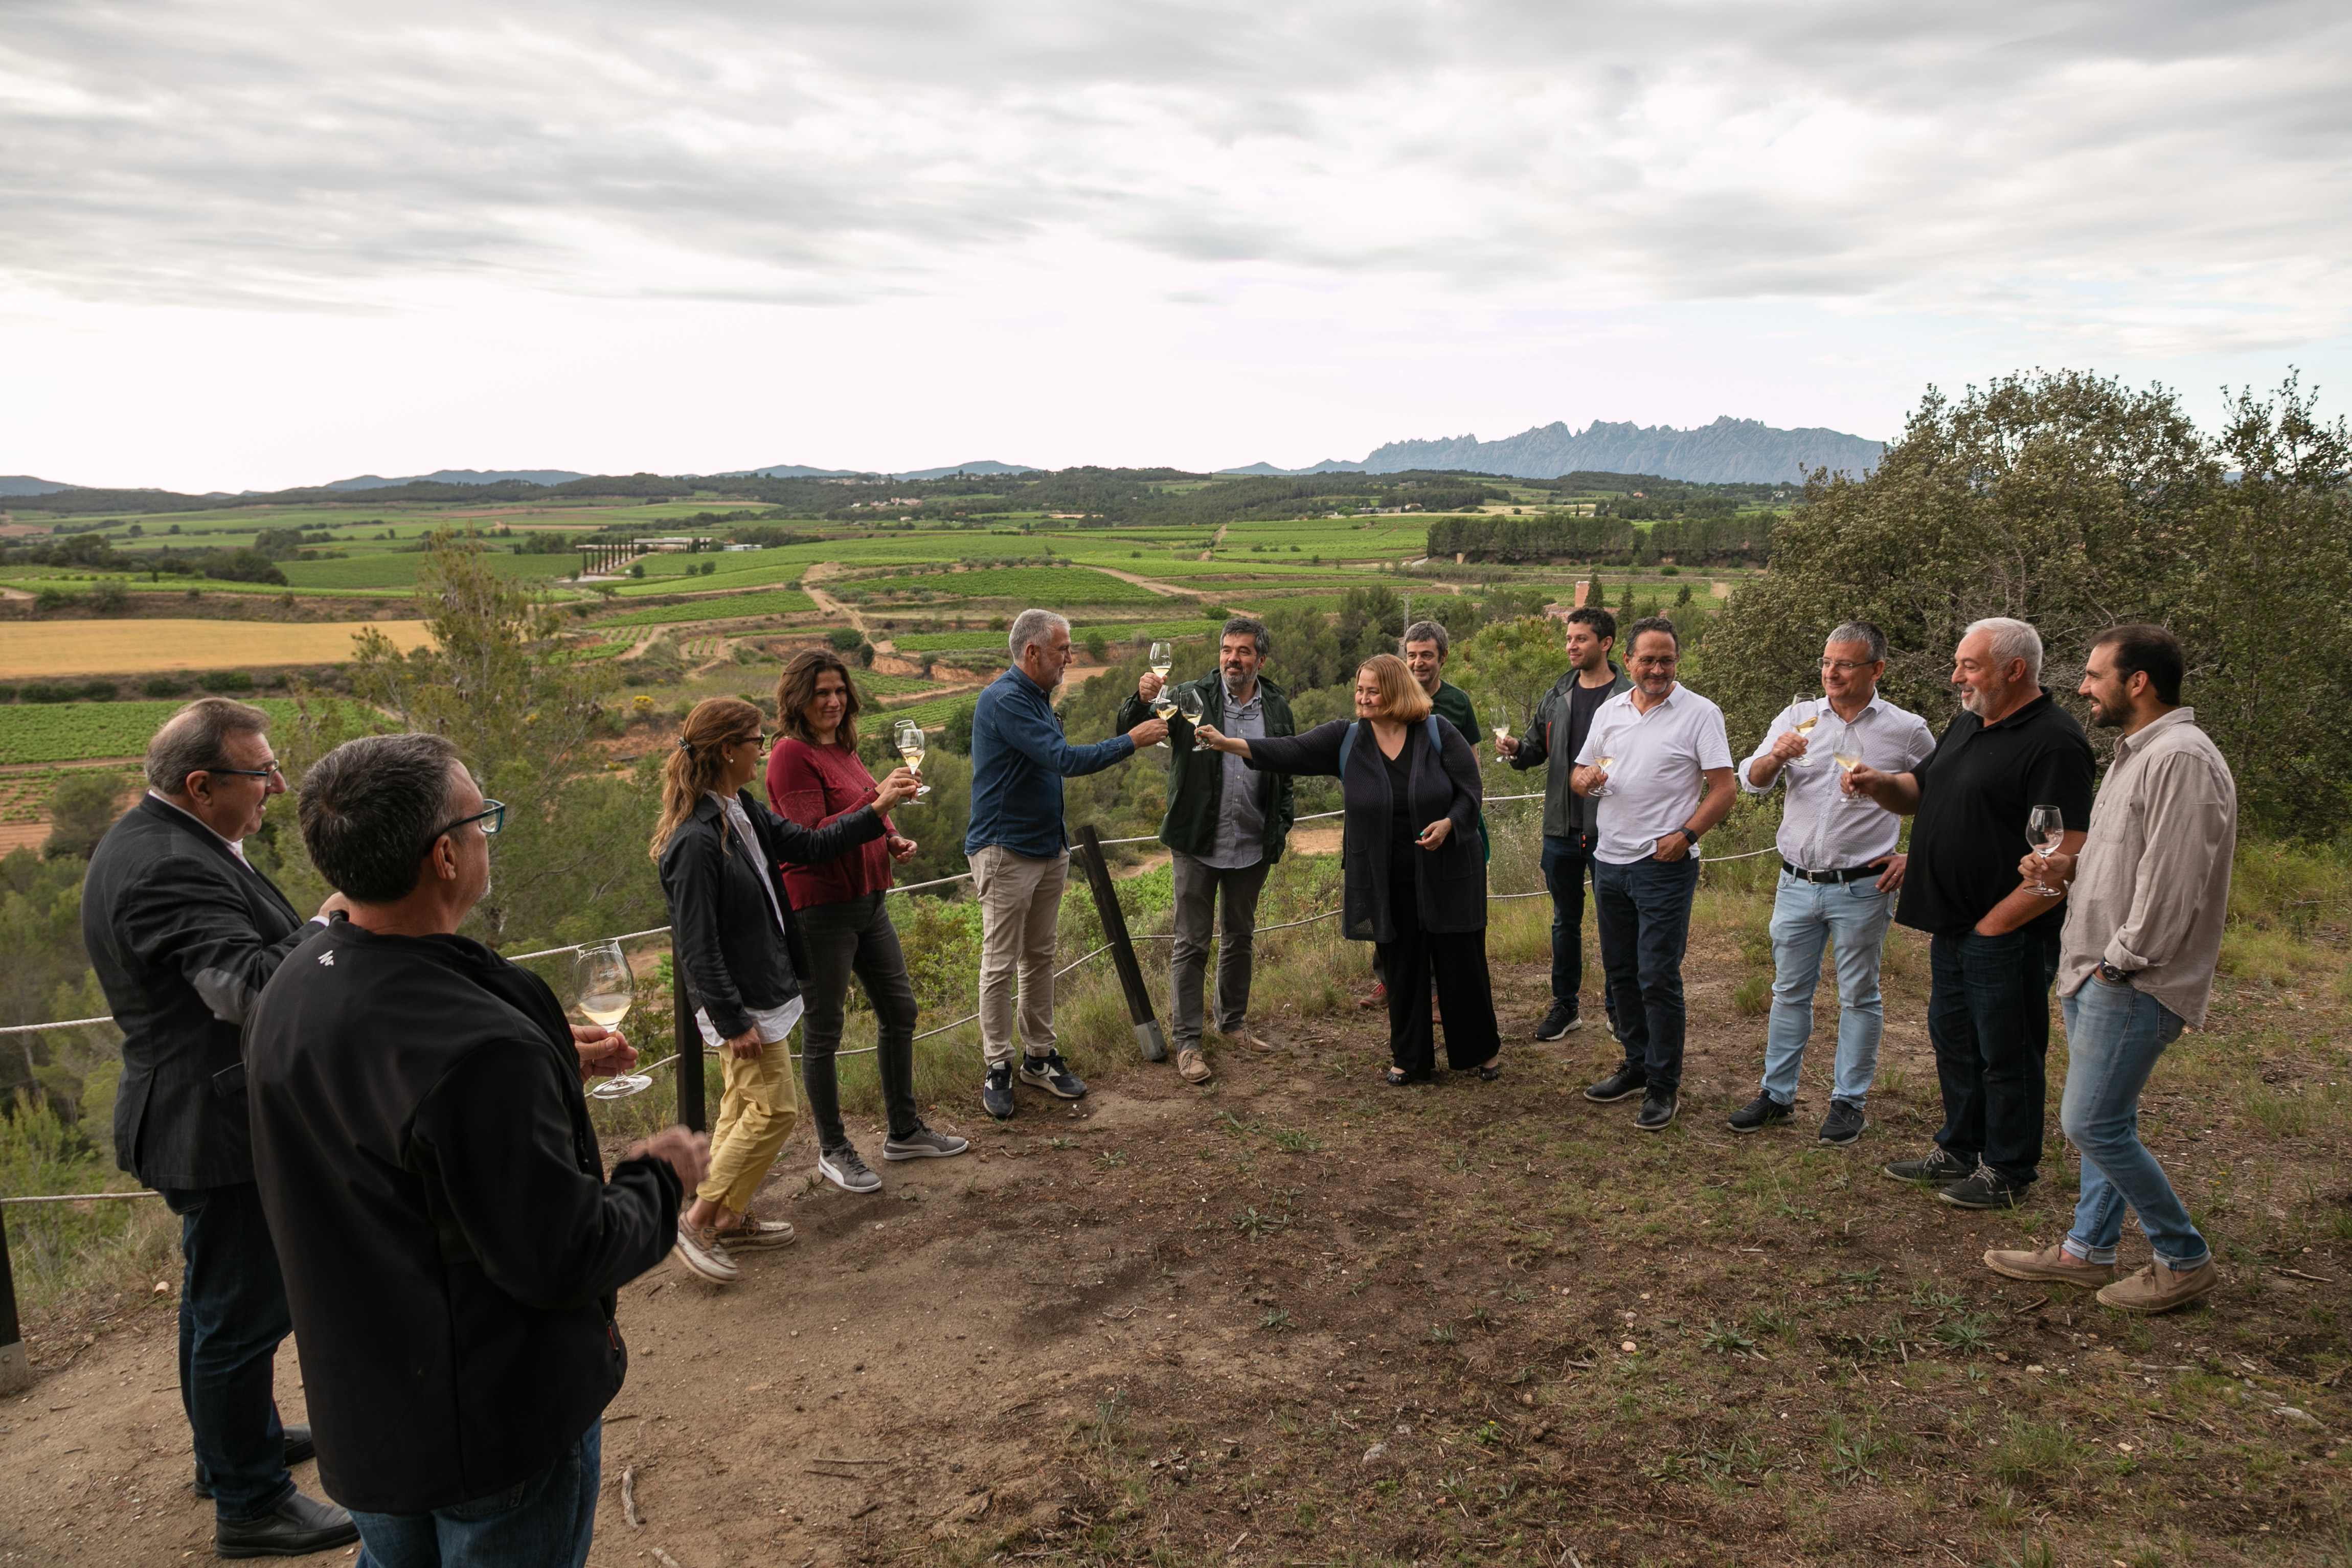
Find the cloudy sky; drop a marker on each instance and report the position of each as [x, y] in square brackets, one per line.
[254, 244]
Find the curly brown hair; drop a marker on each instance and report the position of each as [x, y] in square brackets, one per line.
[796, 694]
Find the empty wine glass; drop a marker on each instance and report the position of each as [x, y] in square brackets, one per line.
[600, 973]
[2047, 828]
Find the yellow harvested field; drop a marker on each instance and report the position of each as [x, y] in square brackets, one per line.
[44, 648]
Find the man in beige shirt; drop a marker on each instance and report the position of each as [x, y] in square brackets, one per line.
[2146, 897]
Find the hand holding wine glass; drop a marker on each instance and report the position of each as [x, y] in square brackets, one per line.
[606, 990]
[1804, 713]
[1191, 705]
[2046, 827]
[906, 737]
[1503, 745]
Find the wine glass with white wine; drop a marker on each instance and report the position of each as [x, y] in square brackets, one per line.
[2047, 828]
[607, 990]
[1805, 713]
[907, 735]
[1604, 757]
[1163, 659]
[1191, 703]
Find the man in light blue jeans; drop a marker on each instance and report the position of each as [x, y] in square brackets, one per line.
[1838, 875]
[2148, 897]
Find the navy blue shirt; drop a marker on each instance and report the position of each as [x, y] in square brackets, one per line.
[1019, 758]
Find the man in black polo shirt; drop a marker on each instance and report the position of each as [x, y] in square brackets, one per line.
[1994, 952]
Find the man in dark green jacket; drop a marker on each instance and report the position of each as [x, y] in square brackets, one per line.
[1554, 736]
[1226, 825]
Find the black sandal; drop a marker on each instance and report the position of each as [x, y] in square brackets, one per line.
[1398, 1078]
[1488, 1075]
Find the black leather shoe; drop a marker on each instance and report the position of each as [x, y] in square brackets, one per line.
[1618, 1085]
[298, 1448]
[1757, 1115]
[1657, 1112]
[295, 1528]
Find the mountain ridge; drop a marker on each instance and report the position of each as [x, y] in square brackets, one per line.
[1729, 451]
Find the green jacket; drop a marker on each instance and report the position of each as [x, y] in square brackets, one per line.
[1566, 815]
[1196, 775]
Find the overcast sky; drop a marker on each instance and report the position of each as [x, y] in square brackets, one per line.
[248, 244]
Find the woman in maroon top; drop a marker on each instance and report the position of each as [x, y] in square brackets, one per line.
[815, 777]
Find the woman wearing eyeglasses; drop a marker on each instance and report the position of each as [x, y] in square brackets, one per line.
[740, 955]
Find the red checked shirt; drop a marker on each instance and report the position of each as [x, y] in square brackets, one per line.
[812, 785]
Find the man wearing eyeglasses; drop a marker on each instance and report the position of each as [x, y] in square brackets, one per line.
[1839, 873]
[183, 932]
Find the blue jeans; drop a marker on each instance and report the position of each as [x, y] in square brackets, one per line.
[1852, 917]
[1643, 910]
[233, 1317]
[1988, 1019]
[2114, 1036]
[544, 1521]
[1564, 867]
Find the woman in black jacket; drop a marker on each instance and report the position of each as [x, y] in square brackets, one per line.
[1416, 880]
[719, 851]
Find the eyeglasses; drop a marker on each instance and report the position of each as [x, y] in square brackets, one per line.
[272, 771]
[492, 816]
[760, 741]
[1847, 666]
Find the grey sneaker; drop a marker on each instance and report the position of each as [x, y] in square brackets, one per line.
[996, 1091]
[1050, 1072]
[1844, 1124]
[1936, 1166]
[845, 1170]
[922, 1144]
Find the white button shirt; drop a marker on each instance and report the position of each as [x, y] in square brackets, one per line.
[1823, 828]
[1658, 772]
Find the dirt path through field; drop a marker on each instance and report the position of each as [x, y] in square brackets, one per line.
[832, 606]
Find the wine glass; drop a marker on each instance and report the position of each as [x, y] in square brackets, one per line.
[1163, 659]
[1604, 757]
[2047, 828]
[1806, 712]
[606, 989]
[1502, 734]
[907, 736]
[1191, 703]
[1848, 757]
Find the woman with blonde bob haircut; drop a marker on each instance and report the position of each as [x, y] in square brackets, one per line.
[816, 778]
[1416, 879]
[740, 955]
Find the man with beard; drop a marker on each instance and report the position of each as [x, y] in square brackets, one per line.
[2146, 903]
[1020, 855]
[1994, 935]
[1225, 826]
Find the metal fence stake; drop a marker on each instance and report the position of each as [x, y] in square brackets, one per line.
[1147, 1037]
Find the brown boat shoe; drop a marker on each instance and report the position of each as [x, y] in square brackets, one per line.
[1193, 1067]
[2052, 1265]
[2159, 1288]
[1247, 1038]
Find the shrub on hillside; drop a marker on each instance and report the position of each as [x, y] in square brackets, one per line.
[100, 691]
[48, 692]
[225, 681]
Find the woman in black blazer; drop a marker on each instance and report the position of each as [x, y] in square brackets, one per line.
[720, 850]
[1416, 880]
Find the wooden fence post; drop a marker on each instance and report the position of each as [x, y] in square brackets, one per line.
[1147, 1037]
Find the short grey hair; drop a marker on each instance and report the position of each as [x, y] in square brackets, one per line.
[2012, 639]
[193, 740]
[370, 808]
[1427, 632]
[1861, 632]
[1248, 626]
[1031, 627]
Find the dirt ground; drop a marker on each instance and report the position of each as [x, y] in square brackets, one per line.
[1301, 1317]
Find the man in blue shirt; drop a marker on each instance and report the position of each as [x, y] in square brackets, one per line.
[1021, 857]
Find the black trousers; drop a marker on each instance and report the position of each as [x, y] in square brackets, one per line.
[854, 937]
[1458, 961]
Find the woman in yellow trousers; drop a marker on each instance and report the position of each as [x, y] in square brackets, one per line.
[721, 850]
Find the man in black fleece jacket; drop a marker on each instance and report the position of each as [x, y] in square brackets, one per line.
[450, 1243]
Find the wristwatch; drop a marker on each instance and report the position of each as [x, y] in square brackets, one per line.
[1689, 837]
[2113, 976]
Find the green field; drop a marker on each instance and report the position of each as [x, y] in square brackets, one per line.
[722, 607]
[397, 571]
[1055, 585]
[72, 732]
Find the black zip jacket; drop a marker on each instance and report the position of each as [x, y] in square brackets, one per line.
[1449, 881]
[183, 935]
[450, 1245]
[718, 917]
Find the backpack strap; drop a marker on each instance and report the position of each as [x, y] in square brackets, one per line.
[1429, 724]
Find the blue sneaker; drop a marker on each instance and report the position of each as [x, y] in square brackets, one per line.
[996, 1091]
[1050, 1072]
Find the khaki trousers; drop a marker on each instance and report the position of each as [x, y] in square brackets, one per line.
[755, 1117]
[1020, 912]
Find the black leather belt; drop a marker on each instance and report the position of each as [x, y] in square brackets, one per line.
[1855, 874]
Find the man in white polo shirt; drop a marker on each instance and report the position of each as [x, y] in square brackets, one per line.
[1838, 871]
[1646, 756]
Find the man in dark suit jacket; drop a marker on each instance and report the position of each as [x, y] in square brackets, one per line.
[183, 934]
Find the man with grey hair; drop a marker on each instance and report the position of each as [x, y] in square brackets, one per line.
[1994, 935]
[1225, 827]
[1020, 855]
[1839, 873]
[183, 932]
[1426, 647]
[452, 1245]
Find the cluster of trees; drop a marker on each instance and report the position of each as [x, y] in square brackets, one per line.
[1740, 539]
[2077, 502]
